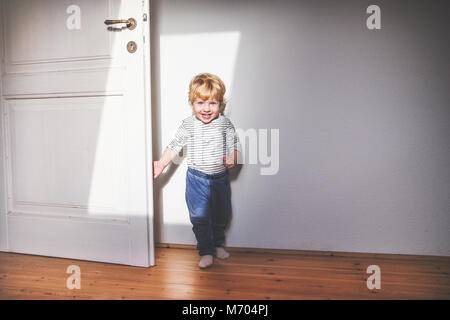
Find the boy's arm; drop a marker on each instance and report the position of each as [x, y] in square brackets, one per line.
[171, 151]
[159, 166]
[233, 146]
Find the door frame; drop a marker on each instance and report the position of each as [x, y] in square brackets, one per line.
[148, 129]
[3, 198]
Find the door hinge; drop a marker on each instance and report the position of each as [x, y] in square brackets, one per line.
[144, 17]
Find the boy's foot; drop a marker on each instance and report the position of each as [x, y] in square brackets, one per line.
[206, 261]
[221, 253]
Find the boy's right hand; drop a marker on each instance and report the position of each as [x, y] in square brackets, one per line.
[158, 168]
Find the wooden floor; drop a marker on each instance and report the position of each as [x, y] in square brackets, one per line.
[245, 275]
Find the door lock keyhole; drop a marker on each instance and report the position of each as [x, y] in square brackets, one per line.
[131, 47]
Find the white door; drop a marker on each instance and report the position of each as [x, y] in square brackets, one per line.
[75, 131]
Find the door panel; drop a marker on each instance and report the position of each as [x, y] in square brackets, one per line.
[75, 129]
[45, 22]
[39, 131]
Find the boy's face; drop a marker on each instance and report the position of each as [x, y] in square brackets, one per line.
[206, 110]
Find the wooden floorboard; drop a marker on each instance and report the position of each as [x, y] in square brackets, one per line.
[246, 274]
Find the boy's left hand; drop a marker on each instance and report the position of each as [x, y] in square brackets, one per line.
[231, 160]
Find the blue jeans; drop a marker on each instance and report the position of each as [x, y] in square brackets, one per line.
[208, 197]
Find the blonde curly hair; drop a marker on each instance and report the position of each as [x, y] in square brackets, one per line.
[206, 85]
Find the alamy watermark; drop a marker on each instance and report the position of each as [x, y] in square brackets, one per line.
[256, 146]
[259, 151]
[73, 281]
[374, 20]
[73, 21]
[374, 281]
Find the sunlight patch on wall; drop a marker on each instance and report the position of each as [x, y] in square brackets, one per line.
[181, 58]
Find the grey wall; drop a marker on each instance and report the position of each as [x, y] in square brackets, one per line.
[363, 117]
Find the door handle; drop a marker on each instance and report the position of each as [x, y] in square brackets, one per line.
[130, 24]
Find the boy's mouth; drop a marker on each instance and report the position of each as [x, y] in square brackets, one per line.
[206, 116]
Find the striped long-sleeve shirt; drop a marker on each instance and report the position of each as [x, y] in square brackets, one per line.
[206, 143]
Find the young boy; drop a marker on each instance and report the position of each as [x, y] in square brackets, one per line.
[213, 147]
